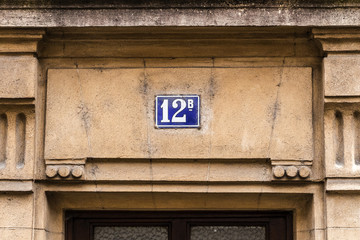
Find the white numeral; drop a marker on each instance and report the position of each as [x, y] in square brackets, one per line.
[175, 118]
[175, 104]
[165, 107]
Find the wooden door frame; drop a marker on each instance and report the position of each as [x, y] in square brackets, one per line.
[79, 225]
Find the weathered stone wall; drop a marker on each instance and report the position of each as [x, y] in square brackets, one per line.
[176, 3]
[280, 117]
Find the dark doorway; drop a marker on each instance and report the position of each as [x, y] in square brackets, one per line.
[178, 225]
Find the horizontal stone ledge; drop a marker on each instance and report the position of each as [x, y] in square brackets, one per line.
[50, 4]
[180, 17]
[343, 185]
[242, 188]
[16, 186]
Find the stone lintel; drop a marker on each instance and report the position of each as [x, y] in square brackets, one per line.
[343, 185]
[16, 186]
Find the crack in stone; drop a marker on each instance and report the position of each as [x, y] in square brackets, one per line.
[84, 111]
[276, 106]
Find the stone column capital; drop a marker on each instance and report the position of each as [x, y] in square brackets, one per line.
[20, 40]
[338, 40]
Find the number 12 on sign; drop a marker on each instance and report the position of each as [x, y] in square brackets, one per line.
[177, 111]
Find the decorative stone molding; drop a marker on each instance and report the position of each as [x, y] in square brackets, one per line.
[341, 76]
[22, 41]
[338, 39]
[342, 139]
[291, 172]
[65, 169]
[17, 130]
[18, 81]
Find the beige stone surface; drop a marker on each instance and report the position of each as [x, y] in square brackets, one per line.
[278, 171]
[179, 62]
[341, 141]
[264, 112]
[304, 172]
[51, 171]
[237, 171]
[343, 233]
[20, 144]
[16, 211]
[343, 185]
[64, 171]
[77, 171]
[245, 113]
[95, 113]
[337, 40]
[177, 170]
[18, 76]
[168, 48]
[343, 213]
[16, 233]
[341, 74]
[16, 186]
[291, 171]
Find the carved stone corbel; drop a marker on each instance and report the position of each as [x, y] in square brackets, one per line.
[65, 169]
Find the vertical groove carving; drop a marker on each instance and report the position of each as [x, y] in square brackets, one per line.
[20, 140]
[3, 139]
[339, 138]
[357, 138]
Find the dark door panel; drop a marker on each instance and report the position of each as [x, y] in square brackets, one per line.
[178, 225]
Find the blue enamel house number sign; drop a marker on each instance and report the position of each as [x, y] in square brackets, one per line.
[177, 111]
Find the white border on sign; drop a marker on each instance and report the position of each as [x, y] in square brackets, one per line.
[177, 126]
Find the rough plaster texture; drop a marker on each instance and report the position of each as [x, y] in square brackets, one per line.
[180, 17]
[184, 170]
[16, 216]
[106, 120]
[110, 113]
[18, 76]
[341, 74]
[343, 216]
[175, 3]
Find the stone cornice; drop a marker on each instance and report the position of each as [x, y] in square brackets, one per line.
[338, 40]
[20, 41]
[126, 17]
[52, 4]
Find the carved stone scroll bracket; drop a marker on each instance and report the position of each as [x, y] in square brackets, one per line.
[291, 170]
[65, 169]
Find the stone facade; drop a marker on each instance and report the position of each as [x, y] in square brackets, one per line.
[280, 111]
